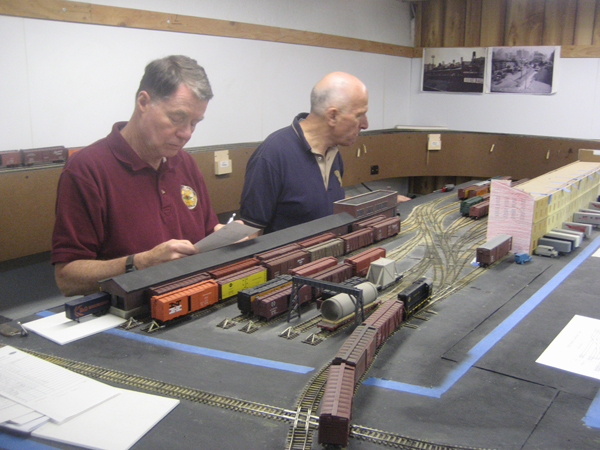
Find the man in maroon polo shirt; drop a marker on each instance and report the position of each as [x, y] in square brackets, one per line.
[135, 198]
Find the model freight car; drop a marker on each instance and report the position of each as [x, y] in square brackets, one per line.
[493, 250]
[386, 318]
[479, 210]
[46, 155]
[277, 302]
[336, 406]
[357, 239]
[590, 218]
[585, 228]
[246, 297]
[560, 245]
[10, 158]
[333, 247]
[97, 304]
[385, 228]
[362, 261]
[181, 302]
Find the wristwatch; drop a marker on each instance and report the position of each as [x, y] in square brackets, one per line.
[129, 267]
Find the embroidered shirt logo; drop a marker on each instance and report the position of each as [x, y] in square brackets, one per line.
[339, 176]
[189, 196]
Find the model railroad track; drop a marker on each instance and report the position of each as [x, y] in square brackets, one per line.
[391, 440]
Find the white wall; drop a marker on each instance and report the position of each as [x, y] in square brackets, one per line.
[66, 83]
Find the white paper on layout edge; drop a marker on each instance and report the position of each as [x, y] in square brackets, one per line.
[116, 424]
[9, 409]
[576, 348]
[230, 233]
[47, 388]
[58, 328]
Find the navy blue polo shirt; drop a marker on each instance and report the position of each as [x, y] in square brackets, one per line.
[284, 185]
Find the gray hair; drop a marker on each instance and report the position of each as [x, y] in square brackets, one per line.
[163, 76]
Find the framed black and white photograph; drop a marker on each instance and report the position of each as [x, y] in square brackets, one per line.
[454, 70]
[524, 70]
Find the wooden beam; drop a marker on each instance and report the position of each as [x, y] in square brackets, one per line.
[559, 22]
[454, 23]
[79, 12]
[493, 19]
[473, 23]
[584, 22]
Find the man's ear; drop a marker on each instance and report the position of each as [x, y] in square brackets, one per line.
[143, 100]
[332, 115]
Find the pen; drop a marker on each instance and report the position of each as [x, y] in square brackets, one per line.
[231, 218]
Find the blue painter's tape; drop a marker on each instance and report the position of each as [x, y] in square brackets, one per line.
[205, 351]
[482, 347]
[12, 442]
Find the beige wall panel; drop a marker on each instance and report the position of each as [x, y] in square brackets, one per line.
[559, 22]
[432, 25]
[454, 23]
[584, 22]
[493, 19]
[596, 32]
[524, 22]
[473, 23]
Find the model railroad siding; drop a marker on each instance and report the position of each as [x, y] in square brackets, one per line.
[232, 284]
[558, 244]
[583, 227]
[386, 318]
[367, 222]
[277, 302]
[357, 239]
[336, 406]
[10, 158]
[479, 210]
[271, 254]
[589, 218]
[386, 228]
[416, 295]
[308, 269]
[246, 297]
[46, 155]
[183, 301]
[494, 249]
[333, 247]
[223, 271]
[282, 264]
[336, 274]
[360, 263]
[177, 284]
[358, 350]
[380, 202]
[316, 240]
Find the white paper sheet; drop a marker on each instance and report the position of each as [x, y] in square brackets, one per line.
[61, 330]
[9, 409]
[47, 388]
[230, 233]
[114, 425]
[576, 349]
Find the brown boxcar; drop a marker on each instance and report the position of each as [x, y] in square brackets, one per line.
[358, 350]
[282, 264]
[316, 240]
[478, 190]
[494, 249]
[246, 297]
[365, 205]
[306, 270]
[332, 247]
[10, 158]
[367, 222]
[223, 271]
[336, 406]
[335, 274]
[277, 252]
[178, 284]
[277, 302]
[183, 301]
[357, 239]
[46, 155]
[479, 210]
[386, 319]
[360, 262]
[386, 228]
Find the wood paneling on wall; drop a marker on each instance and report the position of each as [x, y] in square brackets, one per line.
[573, 24]
[28, 195]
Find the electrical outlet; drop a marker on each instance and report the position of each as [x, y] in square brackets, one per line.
[374, 170]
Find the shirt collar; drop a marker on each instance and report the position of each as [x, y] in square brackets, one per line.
[298, 130]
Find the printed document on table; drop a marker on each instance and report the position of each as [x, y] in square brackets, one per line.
[576, 348]
[47, 388]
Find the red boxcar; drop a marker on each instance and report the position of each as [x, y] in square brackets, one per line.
[386, 319]
[357, 239]
[277, 302]
[336, 406]
[360, 263]
[386, 228]
[358, 350]
[282, 264]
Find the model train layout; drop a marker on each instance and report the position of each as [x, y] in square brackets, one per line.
[260, 279]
